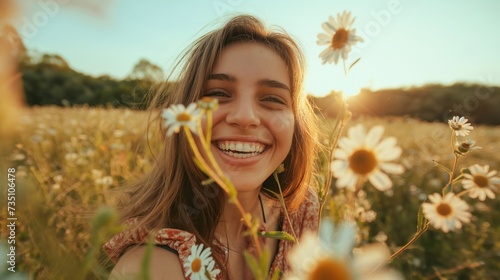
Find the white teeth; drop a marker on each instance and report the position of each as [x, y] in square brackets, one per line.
[240, 155]
[240, 149]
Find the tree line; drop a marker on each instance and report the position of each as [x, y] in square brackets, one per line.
[432, 102]
[50, 81]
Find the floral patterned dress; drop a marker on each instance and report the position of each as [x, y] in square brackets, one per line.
[305, 218]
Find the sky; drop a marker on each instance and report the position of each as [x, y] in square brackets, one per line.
[406, 42]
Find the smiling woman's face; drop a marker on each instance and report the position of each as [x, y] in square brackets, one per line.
[253, 126]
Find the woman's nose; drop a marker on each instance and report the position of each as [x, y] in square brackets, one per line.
[243, 113]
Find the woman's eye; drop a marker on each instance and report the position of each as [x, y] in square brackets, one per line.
[275, 99]
[216, 93]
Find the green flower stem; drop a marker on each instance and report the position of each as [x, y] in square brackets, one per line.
[449, 186]
[90, 256]
[206, 144]
[208, 137]
[463, 192]
[452, 140]
[275, 174]
[202, 161]
[452, 174]
[222, 183]
[459, 177]
[450, 182]
[415, 237]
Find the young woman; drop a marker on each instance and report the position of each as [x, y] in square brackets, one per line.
[263, 120]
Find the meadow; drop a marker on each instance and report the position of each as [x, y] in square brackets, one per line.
[69, 160]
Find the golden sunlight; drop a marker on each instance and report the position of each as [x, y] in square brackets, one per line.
[348, 87]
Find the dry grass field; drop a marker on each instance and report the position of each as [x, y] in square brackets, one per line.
[67, 159]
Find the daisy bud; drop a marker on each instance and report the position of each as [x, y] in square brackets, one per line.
[466, 146]
[208, 103]
[280, 169]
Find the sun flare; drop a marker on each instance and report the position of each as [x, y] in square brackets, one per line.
[349, 90]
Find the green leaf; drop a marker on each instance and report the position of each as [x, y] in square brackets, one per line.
[207, 181]
[277, 274]
[354, 63]
[281, 235]
[263, 261]
[439, 165]
[421, 220]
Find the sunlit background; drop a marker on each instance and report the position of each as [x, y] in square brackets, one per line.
[407, 43]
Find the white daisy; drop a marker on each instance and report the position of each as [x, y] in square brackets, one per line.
[446, 213]
[481, 182]
[460, 126]
[177, 116]
[329, 256]
[200, 264]
[360, 157]
[338, 36]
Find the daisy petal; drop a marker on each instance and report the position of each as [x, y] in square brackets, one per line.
[380, 181]
[374, 135]
[392, 168]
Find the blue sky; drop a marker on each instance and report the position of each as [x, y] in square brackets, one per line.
[407, 42]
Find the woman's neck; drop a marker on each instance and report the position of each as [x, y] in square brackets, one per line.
[231, 224]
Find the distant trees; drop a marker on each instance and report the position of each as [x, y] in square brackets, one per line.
[50, 80]
[479, 103]
[147, 71]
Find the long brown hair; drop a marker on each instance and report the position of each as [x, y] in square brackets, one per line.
[171, 195]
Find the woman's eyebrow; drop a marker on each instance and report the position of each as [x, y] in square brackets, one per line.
[263, 82]
[273, 83]
[222, 77]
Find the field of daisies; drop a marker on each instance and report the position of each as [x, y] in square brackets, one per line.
[67, 160]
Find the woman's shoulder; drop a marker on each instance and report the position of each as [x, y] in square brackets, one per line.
[163, 264]
[171, 248]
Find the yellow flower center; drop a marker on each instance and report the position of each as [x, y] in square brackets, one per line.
[196, 265]
[340, 38]
[183, 117]
[481, 181]
[329, 269]
[362, 161]
[443, 209]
